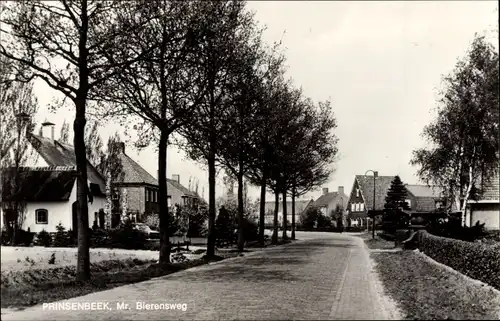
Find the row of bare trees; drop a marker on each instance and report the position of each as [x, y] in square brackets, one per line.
[192, 73]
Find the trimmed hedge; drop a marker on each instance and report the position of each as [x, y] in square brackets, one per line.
[478, 261]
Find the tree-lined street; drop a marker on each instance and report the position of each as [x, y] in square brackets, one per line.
[321, 276]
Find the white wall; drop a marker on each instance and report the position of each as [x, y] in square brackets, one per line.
[488, 214]
[58, 212]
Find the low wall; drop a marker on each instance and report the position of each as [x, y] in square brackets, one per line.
[476, 260]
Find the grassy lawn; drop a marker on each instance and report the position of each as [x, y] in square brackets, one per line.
[377, 243]
[427, 291]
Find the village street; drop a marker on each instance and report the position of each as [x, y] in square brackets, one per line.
[321, 276]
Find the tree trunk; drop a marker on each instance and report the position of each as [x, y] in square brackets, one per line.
[211, 207]
[163, 206]
[293, 214]
[83, 261]
[284, 215]
[262, 213]
[241, 229]
[274, 239]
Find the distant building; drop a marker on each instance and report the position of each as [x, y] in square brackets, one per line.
[361, 198]
[300, 207]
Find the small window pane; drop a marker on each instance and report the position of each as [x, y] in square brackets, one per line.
[42, 216]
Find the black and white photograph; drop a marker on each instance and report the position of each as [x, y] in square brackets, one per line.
[249, 160]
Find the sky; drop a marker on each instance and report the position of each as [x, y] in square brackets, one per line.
[380, 64]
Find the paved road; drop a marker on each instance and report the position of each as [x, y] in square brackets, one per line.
[322, 276]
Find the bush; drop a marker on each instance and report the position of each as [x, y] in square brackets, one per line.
[393, 220]
[44, 238]
[24, 237]
[478, 261]
[250, 230]
[313, 219]
[198, 224]
[126, 237]
[63, 238]
[224, 226]
[99, 238]
[452, 228]
[5, 237]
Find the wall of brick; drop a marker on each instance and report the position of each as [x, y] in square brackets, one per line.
[136, 199]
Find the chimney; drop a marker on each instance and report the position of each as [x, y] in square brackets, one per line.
[325, 190]
[45, 126]
[341, 190]
[176, 178]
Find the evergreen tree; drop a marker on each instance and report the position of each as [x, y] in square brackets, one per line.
[396, 196]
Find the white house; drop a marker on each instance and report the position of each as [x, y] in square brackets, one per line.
[48, 187]
[486, 208]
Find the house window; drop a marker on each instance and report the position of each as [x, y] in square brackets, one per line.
[169, 201]
[42, 216]
[155, 199]
[408, 201]
[362, 206]
[353, 207]
[357, 192]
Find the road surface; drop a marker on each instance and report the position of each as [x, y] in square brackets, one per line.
[321, 276]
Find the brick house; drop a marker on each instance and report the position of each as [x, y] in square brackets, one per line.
[486, 209]
[361, 198]
[143, 190]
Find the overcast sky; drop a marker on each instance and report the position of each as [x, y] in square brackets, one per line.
[380, 64]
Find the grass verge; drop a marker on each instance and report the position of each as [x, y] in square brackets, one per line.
[21, 289]
[377, 243]
[426, 291]
[27, 288]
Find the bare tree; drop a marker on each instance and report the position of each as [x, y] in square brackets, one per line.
[62, 43]
[156, 93]
[222, 24]
[19, 106]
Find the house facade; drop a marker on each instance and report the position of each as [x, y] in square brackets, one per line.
[424, 198]
[361, 198]
[300, 207]
[47, 186]
[333, 203]
[142, 189]
[48, 197]
[486, 209]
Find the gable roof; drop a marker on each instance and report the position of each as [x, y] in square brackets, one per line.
[40, 185]
[135, 173]
[425, 190]
[325, 199]
[56, 153]
[382, 185]
[300, 206]
[173, 183]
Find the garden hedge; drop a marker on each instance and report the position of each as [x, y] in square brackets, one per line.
[476, 260]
